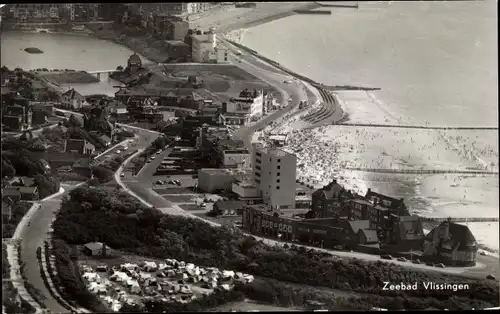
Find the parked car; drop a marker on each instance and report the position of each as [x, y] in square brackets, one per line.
[402, 259]
[122, 175]
[440, 265]
[152, 158]
[203, 205]
[118, 151]
[416, 261]
[386, 256]
[159, 152]
[159, 182]
[490, 276]
[483, 253]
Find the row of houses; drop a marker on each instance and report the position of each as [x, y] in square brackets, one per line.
[371, 223]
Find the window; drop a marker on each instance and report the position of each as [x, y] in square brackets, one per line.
[279, 167]
[278, 181]
[257, 167]
[279, 160]
[257, 161]
[257, 181]
[258, 154]
[257, 174]
[278, 174]
[277, 187]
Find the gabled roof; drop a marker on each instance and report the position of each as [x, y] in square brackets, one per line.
[73, 94]
[134, 58]
[75, 144]
[37, 85]
[357, 225]
[28, 189]
[391, 202]
[329, 191]
[94, 246]
[27, 181]
[370, 235]
[460, 235]
[10, 191]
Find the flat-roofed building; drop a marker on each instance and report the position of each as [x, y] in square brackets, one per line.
[210, 180]
[275, 175]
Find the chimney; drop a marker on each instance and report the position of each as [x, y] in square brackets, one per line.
[104, 249]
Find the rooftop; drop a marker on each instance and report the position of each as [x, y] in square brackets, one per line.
[275, 152]
[177, 43]
[214, 171]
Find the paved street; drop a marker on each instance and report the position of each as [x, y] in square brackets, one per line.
[33, 237]
[34, 234]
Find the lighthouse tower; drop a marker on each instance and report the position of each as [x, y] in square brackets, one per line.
[212, 37]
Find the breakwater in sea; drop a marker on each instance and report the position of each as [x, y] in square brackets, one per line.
[424, 127]
[422, 171]
[455, 219]
[315, 12]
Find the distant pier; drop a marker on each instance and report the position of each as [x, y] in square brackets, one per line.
[468, 219]
[315, 12]
[422, 171]
[423, 127]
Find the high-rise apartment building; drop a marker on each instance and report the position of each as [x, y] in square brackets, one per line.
[274, 175]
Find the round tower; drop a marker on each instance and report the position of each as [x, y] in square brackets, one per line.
[212, 36]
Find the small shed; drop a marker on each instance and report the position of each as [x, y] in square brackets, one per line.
[96, 248]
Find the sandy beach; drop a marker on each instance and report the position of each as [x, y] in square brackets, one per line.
[230, 18]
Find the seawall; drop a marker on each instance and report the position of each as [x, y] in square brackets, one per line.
[329, 99]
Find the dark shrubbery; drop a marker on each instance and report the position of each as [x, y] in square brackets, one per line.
[123, 223]
[18, 212]
[5, 263]
[69, 278]
[198, 305]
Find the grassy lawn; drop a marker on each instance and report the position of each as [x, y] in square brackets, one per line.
[191, 207]
[179, 198]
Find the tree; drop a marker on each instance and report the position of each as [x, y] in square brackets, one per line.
[7, 169]
[47, 185]
[74, 122]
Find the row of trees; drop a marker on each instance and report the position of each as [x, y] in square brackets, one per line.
[125, 224]
[69, 278]
[22, 163]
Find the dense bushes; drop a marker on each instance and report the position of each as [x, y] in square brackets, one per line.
[5, 262]
[21, 163]
[18, 212]
[69, 278]
[47, 185]
[105, 171]
[12, 302]
[198, 305]
[123, 223]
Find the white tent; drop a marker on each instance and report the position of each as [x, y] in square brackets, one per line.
[128, 266]
[227, 274]
[91, 276]
[150, 266]
[119, 276]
